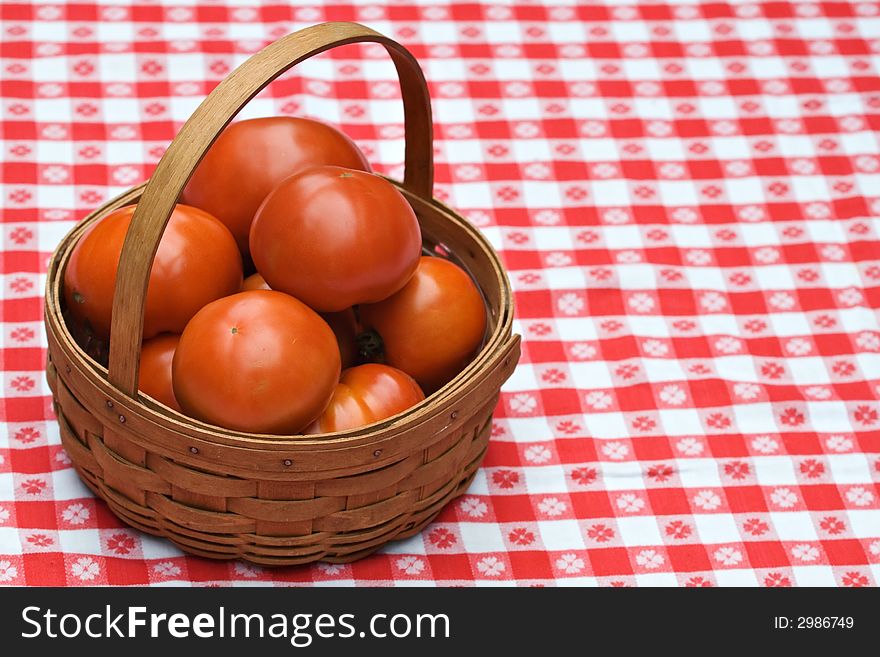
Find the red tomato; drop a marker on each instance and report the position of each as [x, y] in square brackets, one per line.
[344, 326]
[334, 238]
[197, 262]
[154, 375]
[433, 327]
[257, 361]
[251, 157]
[254, 282]
[366, 394]
[343, 323]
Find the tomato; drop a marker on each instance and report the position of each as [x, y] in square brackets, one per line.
[154, 375]
[366, 394]
[334, 237]
[258, 361]
[251, 157]
[197, 262]
[345, 328]
[343, 323]
[433, 327]
[254, 282]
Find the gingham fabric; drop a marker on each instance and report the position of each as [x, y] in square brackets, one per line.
[685, 196]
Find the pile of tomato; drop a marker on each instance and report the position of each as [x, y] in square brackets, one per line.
[289, 293]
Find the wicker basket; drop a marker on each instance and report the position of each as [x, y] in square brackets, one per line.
[268, 499]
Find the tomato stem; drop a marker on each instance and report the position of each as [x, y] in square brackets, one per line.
[370, 347]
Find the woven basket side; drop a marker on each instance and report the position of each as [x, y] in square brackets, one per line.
[268, 521]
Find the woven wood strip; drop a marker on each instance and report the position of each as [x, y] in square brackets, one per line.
[76, 449]
[199, 500]
[214, 548]
[368, 516]
[355, 484]
[435, 469]
[79, 419]
[138, 515]
[113, 467]
[286, 490]
[286, 511]
[237, 542]
[201, 482]
[206, 521]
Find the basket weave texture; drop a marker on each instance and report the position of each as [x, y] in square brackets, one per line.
[269, 499]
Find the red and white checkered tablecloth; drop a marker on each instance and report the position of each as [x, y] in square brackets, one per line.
[687, 200]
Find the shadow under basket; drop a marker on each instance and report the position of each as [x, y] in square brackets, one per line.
[274, 500]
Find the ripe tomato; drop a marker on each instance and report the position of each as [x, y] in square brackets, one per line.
[345, 328]
[154, 375]
[257, 361]
[251, 157]
[197, 262]
[343, 323]
[366, 394]
[254, 282]
[335, 237]
[433, 327]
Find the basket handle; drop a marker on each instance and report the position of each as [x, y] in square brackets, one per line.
[202, 129]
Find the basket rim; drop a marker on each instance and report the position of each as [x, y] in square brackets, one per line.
[499, 340]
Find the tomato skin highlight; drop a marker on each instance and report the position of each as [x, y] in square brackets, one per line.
[344, 323]
[197, 262]
[433, 327]
[367, 394]
[154, 373]
[335, 238]
[251, 157]
[257, 361]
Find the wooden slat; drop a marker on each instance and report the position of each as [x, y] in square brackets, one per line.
[291, 511]
[206, 521]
